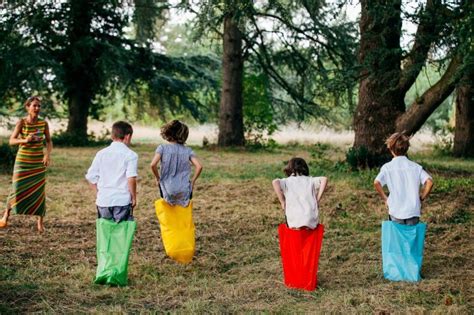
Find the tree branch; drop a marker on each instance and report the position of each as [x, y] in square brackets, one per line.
[419, 111]
[266, 63]
[426, 34]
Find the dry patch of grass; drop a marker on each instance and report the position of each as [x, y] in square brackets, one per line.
[237, 264]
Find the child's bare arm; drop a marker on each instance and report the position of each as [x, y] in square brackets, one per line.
[154, 166]
[426, 189]
[132, 187]
[198, 170]
[322, 187]
[379, 189]
[279, 192]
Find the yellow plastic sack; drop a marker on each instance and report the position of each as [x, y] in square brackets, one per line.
[177, 230]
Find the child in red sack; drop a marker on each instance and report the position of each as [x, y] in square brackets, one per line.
[299, 194]
[301, 238]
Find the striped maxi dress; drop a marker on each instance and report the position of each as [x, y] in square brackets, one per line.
[28, 182]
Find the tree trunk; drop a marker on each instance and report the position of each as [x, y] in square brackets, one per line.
[79, 76]
[383, 84]
[78, 113]
[380, 102]
[231, 125]
[464, 132]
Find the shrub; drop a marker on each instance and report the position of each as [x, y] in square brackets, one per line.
[258, 113]
[7, 157]
[360, 158]
[65, 139]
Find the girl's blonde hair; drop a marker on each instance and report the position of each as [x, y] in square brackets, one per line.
[175, 131]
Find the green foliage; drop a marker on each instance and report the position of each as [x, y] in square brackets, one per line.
[460, 216]
[149, 17]
[307, 77]
[65, 139]
[7, 157]
[447, 185]
[320, 150]
[258, 113]
[360, 158]
[259, 142]
[75, 52]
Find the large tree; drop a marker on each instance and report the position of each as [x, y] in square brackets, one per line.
[388, 72]
[299, 46]
[77, 51]
[231, 123]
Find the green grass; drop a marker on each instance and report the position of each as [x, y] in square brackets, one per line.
[237, 263]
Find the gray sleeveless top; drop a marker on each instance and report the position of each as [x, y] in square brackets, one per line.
[175, 172]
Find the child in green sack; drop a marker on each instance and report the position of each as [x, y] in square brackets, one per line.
[113, 177]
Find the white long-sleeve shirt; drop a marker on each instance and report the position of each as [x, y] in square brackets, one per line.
[110, 170]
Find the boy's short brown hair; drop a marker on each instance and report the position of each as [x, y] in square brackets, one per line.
[120, 129]
[175, 131]
[296, 166]
[398, 143]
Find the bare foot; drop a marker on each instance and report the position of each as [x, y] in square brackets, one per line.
[40, 225]
[4, 220]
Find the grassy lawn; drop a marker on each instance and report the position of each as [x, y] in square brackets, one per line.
[237, 264]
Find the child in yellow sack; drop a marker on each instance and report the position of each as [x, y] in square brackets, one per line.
[174, 210]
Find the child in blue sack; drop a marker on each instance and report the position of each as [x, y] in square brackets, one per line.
[403, 235]
[174, 177]
[403, 179]
[299, 194]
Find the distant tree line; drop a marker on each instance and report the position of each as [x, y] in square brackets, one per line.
[279, 60]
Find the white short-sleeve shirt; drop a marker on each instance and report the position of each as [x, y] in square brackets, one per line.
[110, 170]
[403, 179]
[301, 206]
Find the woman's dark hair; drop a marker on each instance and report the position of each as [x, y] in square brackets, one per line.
[296, 166]
[30, 100]
[120, 129]
[175, 131]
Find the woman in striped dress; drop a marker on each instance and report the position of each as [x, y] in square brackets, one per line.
[28, 181]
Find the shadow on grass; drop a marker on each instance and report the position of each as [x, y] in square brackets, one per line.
[18, 298]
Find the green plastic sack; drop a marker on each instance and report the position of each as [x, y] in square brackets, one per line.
[114, 241]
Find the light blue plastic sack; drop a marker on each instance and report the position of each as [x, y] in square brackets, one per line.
[402, 250]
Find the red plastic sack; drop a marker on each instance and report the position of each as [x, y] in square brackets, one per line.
[300, 251]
